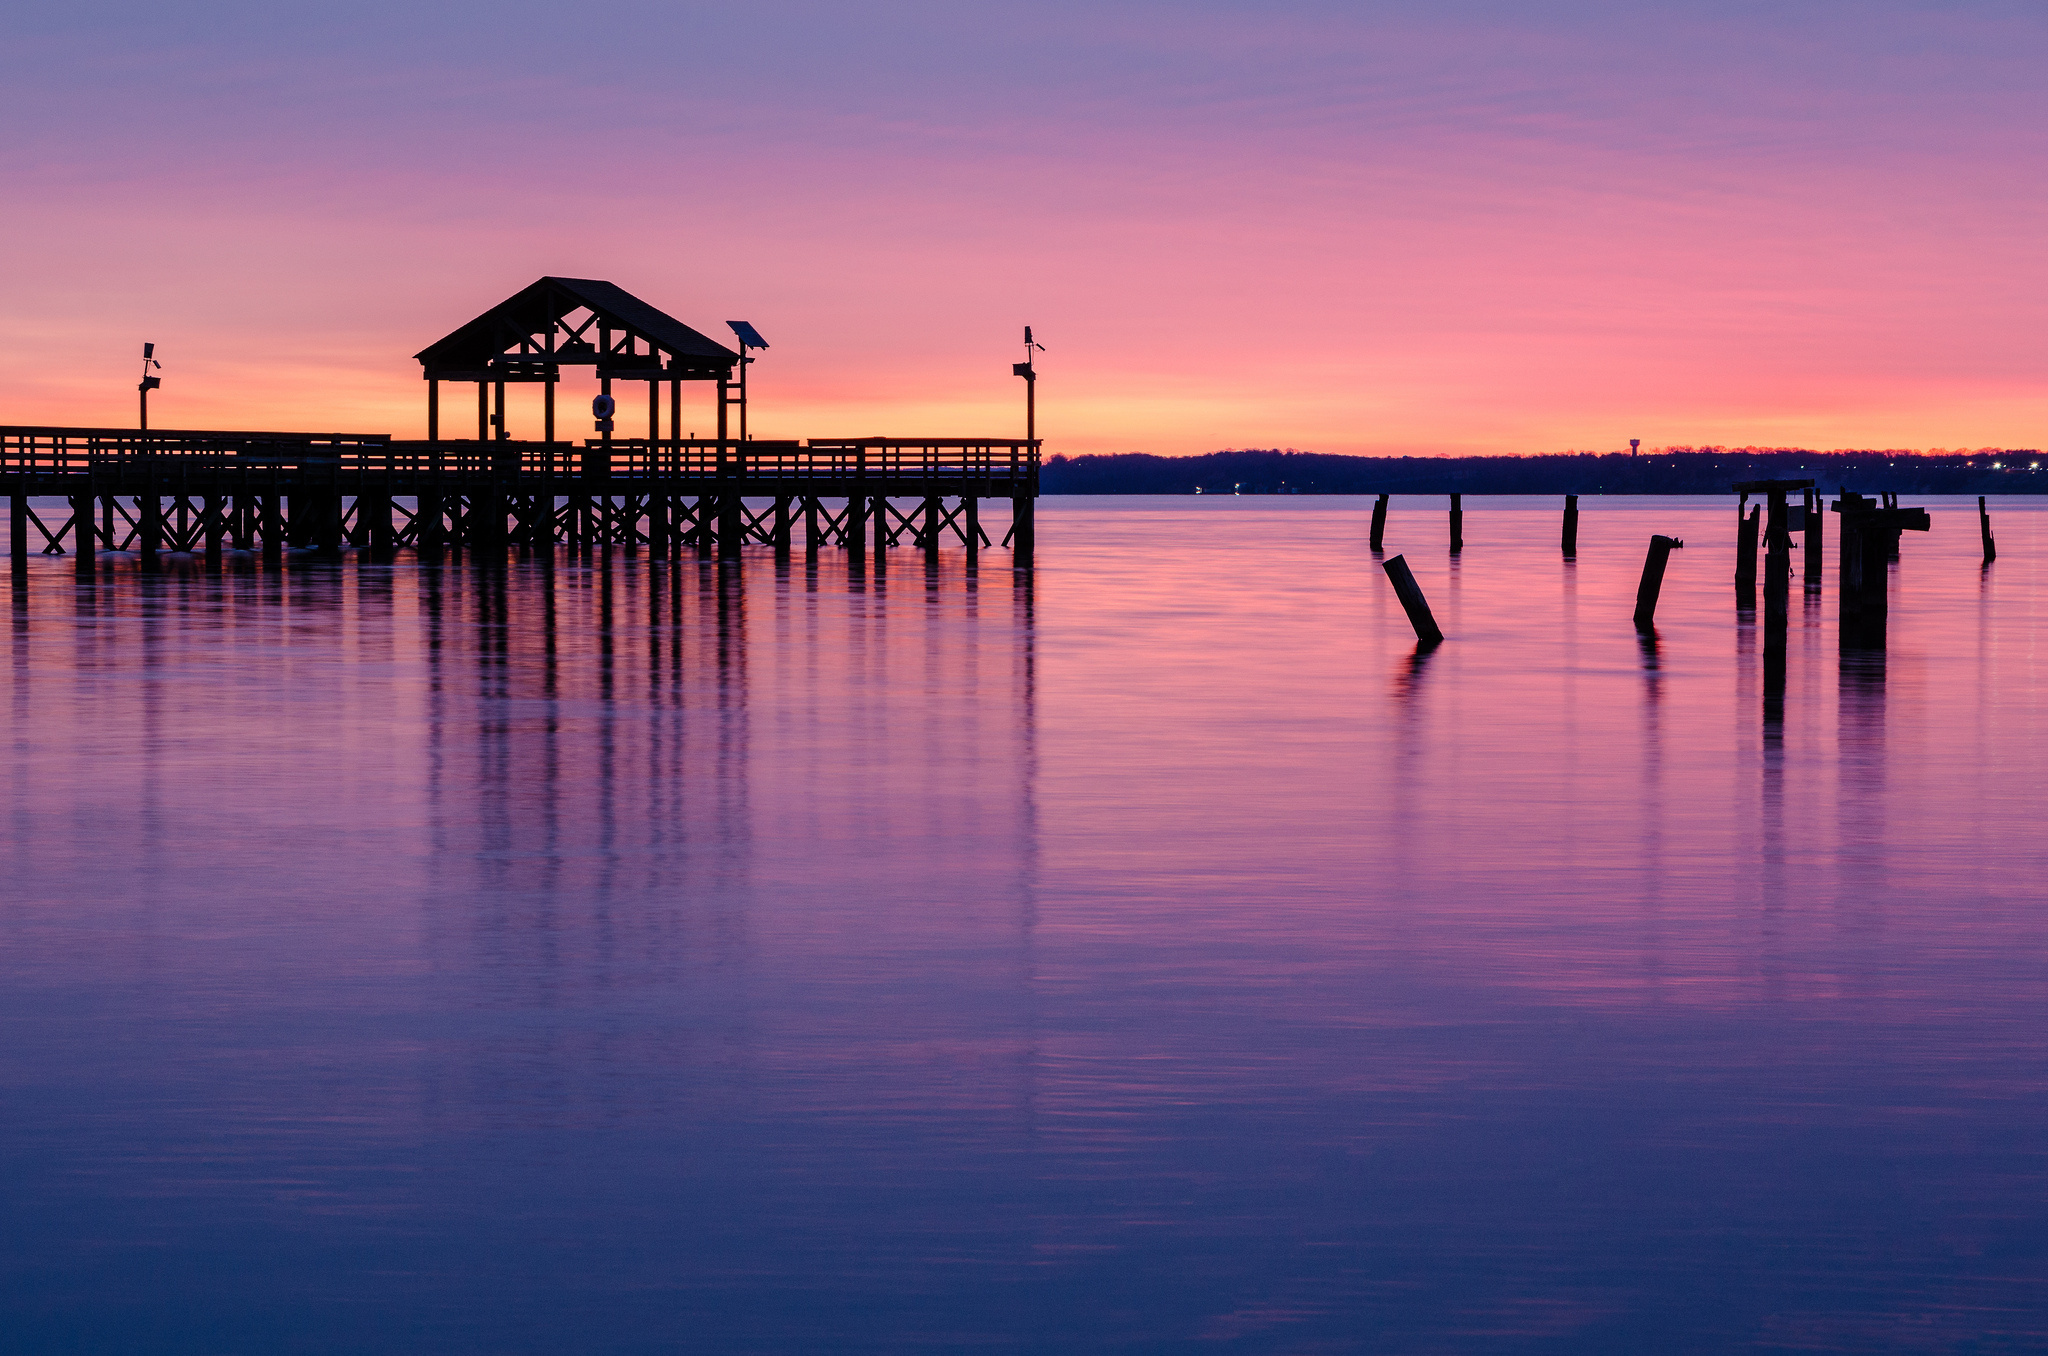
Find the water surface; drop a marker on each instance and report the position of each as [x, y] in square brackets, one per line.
[1158, 953]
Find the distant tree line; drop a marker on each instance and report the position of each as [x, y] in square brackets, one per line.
[1682, 470]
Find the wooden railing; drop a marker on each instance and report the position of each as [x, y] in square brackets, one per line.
[44, 450]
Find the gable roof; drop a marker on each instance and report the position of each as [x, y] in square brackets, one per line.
[508, 330]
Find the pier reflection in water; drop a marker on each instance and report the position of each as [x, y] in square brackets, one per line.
[628, 956]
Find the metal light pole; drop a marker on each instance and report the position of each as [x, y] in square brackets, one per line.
[148, 382]
[1030, 375]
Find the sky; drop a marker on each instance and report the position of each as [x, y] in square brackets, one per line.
[1393, 229]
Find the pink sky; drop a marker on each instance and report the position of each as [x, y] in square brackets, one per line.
[1347, 228]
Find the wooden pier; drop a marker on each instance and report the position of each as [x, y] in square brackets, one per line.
[205, 492]
[159, 491]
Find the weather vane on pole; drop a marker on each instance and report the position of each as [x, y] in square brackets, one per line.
[148, 383]
[1030, 375]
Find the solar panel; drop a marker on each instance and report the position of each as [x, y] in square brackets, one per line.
[749, 336]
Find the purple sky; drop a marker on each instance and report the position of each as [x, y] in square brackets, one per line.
[1404, 228]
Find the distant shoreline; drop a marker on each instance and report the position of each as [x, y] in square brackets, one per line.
[1709, 471]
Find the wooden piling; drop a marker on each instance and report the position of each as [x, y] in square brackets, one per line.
[969, 512]
[1457, 523]
[1412, 601]
[731, 525]
[17, 534]
[1653, 580]
[881, 512]
[82, 536]
[273, 527]
[781, 537]
[1022, 533]
[1984, 530]
[151, 515]
[811, 539]
[212, 510]
[1777, 563]
[855, 531]
[1379, 523]
[1745, 554]
[1571, 527]
[1816, 534]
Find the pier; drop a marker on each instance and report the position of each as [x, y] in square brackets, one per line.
[204, 492]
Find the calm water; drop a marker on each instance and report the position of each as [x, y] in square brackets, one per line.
[646, 958]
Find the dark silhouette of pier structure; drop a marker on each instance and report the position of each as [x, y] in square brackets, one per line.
[159, 491]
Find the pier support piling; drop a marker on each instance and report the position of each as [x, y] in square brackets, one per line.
[1379, 523]
[1022, 530]
[82, 554]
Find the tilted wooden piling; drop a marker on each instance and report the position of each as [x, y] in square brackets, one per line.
[1412, 601]
[1984, 530]
[1457, 523]
[1379, 523]
[1653, 579]
[1571, 526]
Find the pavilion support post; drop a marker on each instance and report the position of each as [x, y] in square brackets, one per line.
[483, 411]
[1379, 523]
[498, 431]
[675, 414]
[1022, 544]
[547, 418]
[82, 537]
[433, 409]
